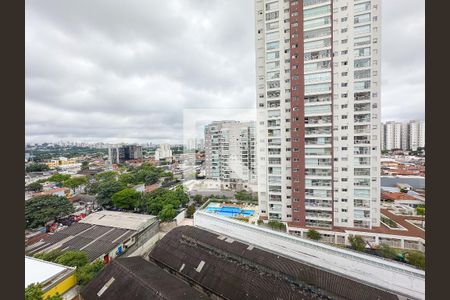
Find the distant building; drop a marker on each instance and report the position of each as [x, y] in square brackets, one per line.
[405, 136]
[163, 152]
[230, 151]
[63, 162]
[117, 155]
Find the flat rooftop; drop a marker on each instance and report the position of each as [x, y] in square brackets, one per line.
[117, 219]
[40, 271]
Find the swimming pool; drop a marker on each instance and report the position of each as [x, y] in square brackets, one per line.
[229, 211]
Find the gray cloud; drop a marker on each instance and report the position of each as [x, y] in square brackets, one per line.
[116, 71]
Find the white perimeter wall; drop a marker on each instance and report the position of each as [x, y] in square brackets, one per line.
[384, 274]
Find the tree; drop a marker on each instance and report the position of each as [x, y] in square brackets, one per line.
[357, 242]
[106, 189]
[198, 199]
[181, 195]
[126, 199]
[387, 251]
[167, 213]
[190, 211]
[88, 271]
[49, 256]
[244, 196]
[106, 176]
[313, 235]
[416, 258]
[34, 187]
[127, 178]
[84, 165]
[34, 292]
[36, 167]
[274, 224]
[156, 200]
[73, 258]
[41, 209]
[75, 182]
[58, 178]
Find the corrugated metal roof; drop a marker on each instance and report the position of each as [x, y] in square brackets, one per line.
[233, 271]
[135, 278]
[96, 240]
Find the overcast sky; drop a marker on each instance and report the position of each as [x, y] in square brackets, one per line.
[123, 71]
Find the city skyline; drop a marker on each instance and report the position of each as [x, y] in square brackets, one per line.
[117, 84]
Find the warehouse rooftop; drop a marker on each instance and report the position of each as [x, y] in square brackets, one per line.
[119, 219]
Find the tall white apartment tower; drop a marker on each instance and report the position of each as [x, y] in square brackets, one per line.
[318, 112]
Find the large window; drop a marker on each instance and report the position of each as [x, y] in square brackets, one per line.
[361, 29]
[310, 78]
[362, 63]
[312, 34]
[273, 84]
[361, 41]
[317, 44]
[313, 2]
[273, 75]
[362, 52]
[360, 74]
[317, 22]
[361, 18]
[317, 54]
[272, 16]
[273, 55]
[319, 109]
[272, 5]
[272, 45]
[274, 113]
[361, 7]
[323, 65]
[273, 94]
[272, 65]
[312, 12]
[272, 36]
[318, 88]
[272, 25]
[363, 193]
[362, 85]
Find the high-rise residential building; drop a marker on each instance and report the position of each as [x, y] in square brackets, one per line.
[318, 112]
[230, 152]
[392, 135]
[416, 134]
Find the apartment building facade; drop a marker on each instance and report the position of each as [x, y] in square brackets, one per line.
[318, 112]
[230, 151]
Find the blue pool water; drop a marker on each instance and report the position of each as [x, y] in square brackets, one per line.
[230, 211]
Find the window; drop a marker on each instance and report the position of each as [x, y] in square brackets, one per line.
[344, 41]
[308, 13]
[272, 36]
[361, 7]
[309, 78]
[312, 34]
[362, 85]
[272, 15]
[344, 19]
[362, 52]
[362, 18]
[316, 22]
[273, 75]
[362, 63]
[317, 44]
[272, 65]
[317, 88]
[361, 41]
[272, 5]
[272, 45]
[362, 29]
[272, 25]
[273, 55]
[344, 30]
[359, 74]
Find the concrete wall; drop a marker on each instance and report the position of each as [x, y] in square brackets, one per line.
[180, 217]
[142, 238]
[385, 274]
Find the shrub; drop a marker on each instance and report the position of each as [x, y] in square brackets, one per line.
[313, 235]
[357, 243]
[387, 251]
